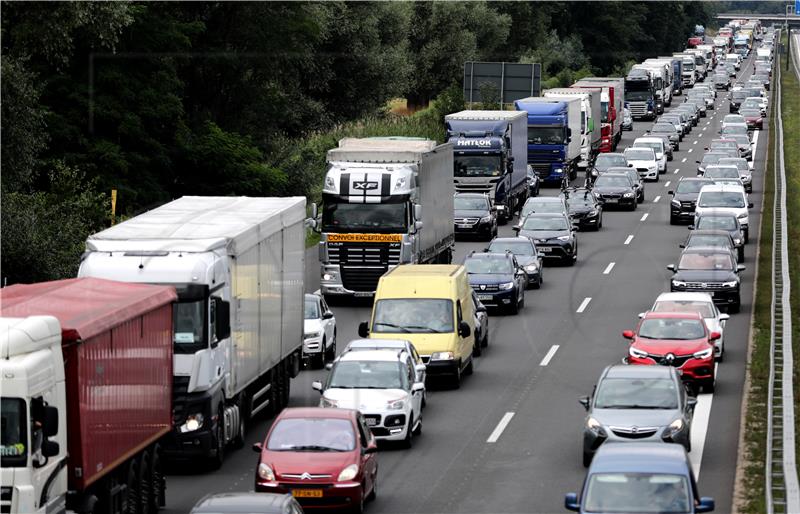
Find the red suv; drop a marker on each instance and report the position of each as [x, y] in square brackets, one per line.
[325, 458]
[675, 339]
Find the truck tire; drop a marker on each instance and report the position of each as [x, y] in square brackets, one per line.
[158, 489]
[130, 499]
[216, 460]
[145, 484]
[238, 441]
[287, 382]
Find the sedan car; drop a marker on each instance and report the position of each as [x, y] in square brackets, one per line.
[245, 503]
[498, 279]
[644, 161]
[755, 102]
[711, 270]
[474, 215]
[745, 173]
[684, 198]
[585, 208]
[736, 99]
[616, 190]
[637, 404]
[608, 160]
[319, 328]
[725, 145]
[722, 80]
[681, 123]
[701, 303]
[322, 457]
[524, 249]
[633, 478]
[691, 110]
[553, 234]
[718, 172]
[632, 174]
[675, 339]
[732, 118]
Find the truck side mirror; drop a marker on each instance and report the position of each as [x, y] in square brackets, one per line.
[50, 425]
[418, 225]
[363, 329]
[50, 448]
[417, 212]
[314, 210]
[222, 318]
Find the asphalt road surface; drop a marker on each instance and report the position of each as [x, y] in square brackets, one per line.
[537, 365]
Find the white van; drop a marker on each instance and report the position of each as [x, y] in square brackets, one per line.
[725, 198]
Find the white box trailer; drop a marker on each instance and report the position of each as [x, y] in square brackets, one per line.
[236, 257]
[591, 116]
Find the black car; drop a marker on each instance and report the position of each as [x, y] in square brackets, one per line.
[737, 97]
[524, 249]
[726, 221]
[616, 190]
[669, 130]
[533, 182]
[474, 215]
[237, 503]
[714, 239]
[684, 198]
[633, 174]
[498, 279]
[709, 270]
[585, 209]
[553, 235]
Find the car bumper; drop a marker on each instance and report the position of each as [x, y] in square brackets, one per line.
[681, 213]
[439, 368]
[650, 174]
[555, 251]
[496, 298]
[721, 297]
[478, 229]
[691, 370]
[388, 426]
[594, 438]
[588, 222]
[337, 495]
[619, 202]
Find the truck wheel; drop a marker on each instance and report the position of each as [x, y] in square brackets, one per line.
[130, 500]
[215, 462]
[158, 487]
[238, 441]
[145, 484]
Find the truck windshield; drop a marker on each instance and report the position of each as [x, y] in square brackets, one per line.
[13, 440]
[546, 136]
[364, 217]
[477, 165]
[638, 96]
[190, 320]
[413, 315]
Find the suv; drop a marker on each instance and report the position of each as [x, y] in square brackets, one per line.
[473, 214]
[711, 270]
[383, 385]
[684, 198]
[553, 234]
[644, 161]
[498, 279]
[585, 208]
[725, 198]
[524, 249]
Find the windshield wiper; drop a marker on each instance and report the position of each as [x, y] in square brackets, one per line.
[631, 406]
[392, 325]
[313, 448]
[420, 327]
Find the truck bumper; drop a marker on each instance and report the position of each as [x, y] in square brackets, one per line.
[189, 445]
[331, 283]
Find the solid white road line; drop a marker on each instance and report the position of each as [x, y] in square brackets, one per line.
[552, 351]
[628, 239]
[609, 268]
[644, 216]
[702, 414]
[656, 199]
[585, 302]
[667, 183]
[755, 146]
[498, 430]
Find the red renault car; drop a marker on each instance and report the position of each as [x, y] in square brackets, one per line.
[325, 458]
[675, 339]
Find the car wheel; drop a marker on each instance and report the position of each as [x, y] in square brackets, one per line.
[634, 206]
[673, 220]
[408, 440]
[538, 283]
[709, 385]
[216, 461]
[641, 197]
[721, 355]
[514, 309]
[740, 253]
[587, 458]
[657, 178]
[522, 300]
[319, 358]
[735, 307]
[599, 223]
[358, 508]
[418, 429]
[485, 341]
[677, 147]
[374, 493]
[456, 381]
[470, 368]
[476, 349]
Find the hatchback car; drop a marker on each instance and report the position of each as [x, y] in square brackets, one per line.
[585, 208]
[637, 403]
[524, 249]
[319, 331]
[644, 161]
[732, 118]
[659, 147]
[701, 303]
[616, 190]
[498, 279]
[724, 145]
[633, 478]
[322, 457]
[244, 503]
[721, 171]
[744, 144]
[709, 270]
[684, 198]
[474, 215]
[674, 339]
[553, 234]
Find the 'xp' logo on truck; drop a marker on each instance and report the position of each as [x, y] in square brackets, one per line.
[365, 185]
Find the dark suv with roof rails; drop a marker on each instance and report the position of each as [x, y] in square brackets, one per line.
[498, 280]
[684, 198]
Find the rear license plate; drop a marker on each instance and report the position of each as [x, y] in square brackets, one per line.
[484, 297]
[545, 249]
[371, 422]
[307, 493]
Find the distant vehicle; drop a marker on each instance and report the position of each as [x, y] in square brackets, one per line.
[319, 329]
[296, 457]
[658, 145]
[553, 234]
[632, 404]
[715, 268]
[633, 478]
[701, 303]
[474, 215]
[752, 118]
[710, 158]
[239, 503]
[669, 130]
[526, 253]
[534, 184]
[499, 280]
[744, 145]
[627, 119]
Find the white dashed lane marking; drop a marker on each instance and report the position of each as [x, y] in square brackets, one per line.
[609, 268]
[656, 199]
[550, 353]
[585, 302]
[644, 216]
[628, 239]
[498, 430]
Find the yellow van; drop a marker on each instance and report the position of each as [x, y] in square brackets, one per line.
[431, 306]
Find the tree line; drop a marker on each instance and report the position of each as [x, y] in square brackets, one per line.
[161, 100]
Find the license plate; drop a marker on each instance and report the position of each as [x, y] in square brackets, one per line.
[484, 297]
[307, 493]
[362, 294]
[612, 200]
[464, 226]
[371, 422]
[544, 249]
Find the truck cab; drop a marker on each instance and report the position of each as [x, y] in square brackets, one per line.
[554, 145]
[640, 94]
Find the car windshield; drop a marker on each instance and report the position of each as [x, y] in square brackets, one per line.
[672, 328]
[750, 113]
[712, 240]
[739, 95]
[636, 393]
[312, 434]
[733, 118]
[516, 247]
[690, 186]
[729, 199]
[466, 203]
[716, 223]
[712, 158]
[700, 261]
[637, 492]
[367, 374]
[639, 155]
[489, 266]
[413, 315]
[655, 146]
[477, 165]
[612, 181]
[365, 217]
[734, 129]
[721, 172]
[705, 309]
[582, 200]
[752, 104]
[545, 223]
[740, 163]
[535, 205]
[663, 127]
[605, 161]
[311, 309]
[13, 440]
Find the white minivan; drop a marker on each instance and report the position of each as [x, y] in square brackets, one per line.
[725, 198]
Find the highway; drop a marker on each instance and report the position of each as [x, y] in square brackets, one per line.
[509, 441]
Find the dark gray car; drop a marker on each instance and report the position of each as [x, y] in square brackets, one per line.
[637, 404]
[553, 235]
[524, 249]
[247, 503]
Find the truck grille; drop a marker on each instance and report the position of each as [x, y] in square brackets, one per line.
[638, 108]
[474, 188]
[6, 499]
[180, 388]
[371, 254]
[359, 278]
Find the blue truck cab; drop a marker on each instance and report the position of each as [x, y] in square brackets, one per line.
[553, 143]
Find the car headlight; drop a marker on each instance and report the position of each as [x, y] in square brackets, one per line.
[732, 283]
[265, 472]
[558, 170]
[676, 425]
[628, 195]
[193, 422]
[593, 212]
[592, 424]
[486, 219]
[635, 352]
[442, 356]
[396, 404]
[563, 238]
[311, 335]
[348, 473]
[327, 402]
[703, 354]
[531, 267]
[505, 286]
[737, 241]
[742, 216]
[676, 203]
[679, 283]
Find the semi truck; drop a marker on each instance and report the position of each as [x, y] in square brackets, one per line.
[667, 73]
[689, 73]
[237, 265]
[612, 101]
[661, 89]
[385, 201]
[677, 73]
[591, 125]
[87, 375]
[489, 150]
[640, 94]
[554, 145]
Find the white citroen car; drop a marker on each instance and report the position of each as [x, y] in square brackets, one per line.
[703, 304]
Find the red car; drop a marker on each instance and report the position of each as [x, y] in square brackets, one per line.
[675, 339]
[325, 458]
[753, 118]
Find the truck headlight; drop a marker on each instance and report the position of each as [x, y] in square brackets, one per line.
[505, 286]
[442, 356]
[737, 241]
[193, 422]
[635, 352]
[703, 354]
[558, 170]
[396, 404]
[348, 473]
[265, 472]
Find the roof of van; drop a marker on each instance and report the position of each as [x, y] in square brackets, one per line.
[419, 280]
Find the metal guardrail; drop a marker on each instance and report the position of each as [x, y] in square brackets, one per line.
[782, 491]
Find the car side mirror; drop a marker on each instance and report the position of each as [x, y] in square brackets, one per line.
[630, 165]
[516, 228]
[329, 366]
[363, 329]
[706, 505]
[418, 225]
[540, 254]
[327, 315]
[417, 387]
[627, 334]
[670, 192]
[316, 385]
[714, 336]
[724, 317]
[571, 502]
[257, 447]
[690, 227]
[740, 267]
[641, 315]
[584, 400]
[671, 267]
[372, 447]
[681, 245]
[749, 205]
[464, 330]
[420, 368]
[691, 402]
[698, 162]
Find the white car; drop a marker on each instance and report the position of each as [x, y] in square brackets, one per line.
[658, 146]
[382, 385]
[725, 198]
[644, 161]
[703, 304]
[745, 173]
[319, 331]
[733, 118]
[360, 345]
